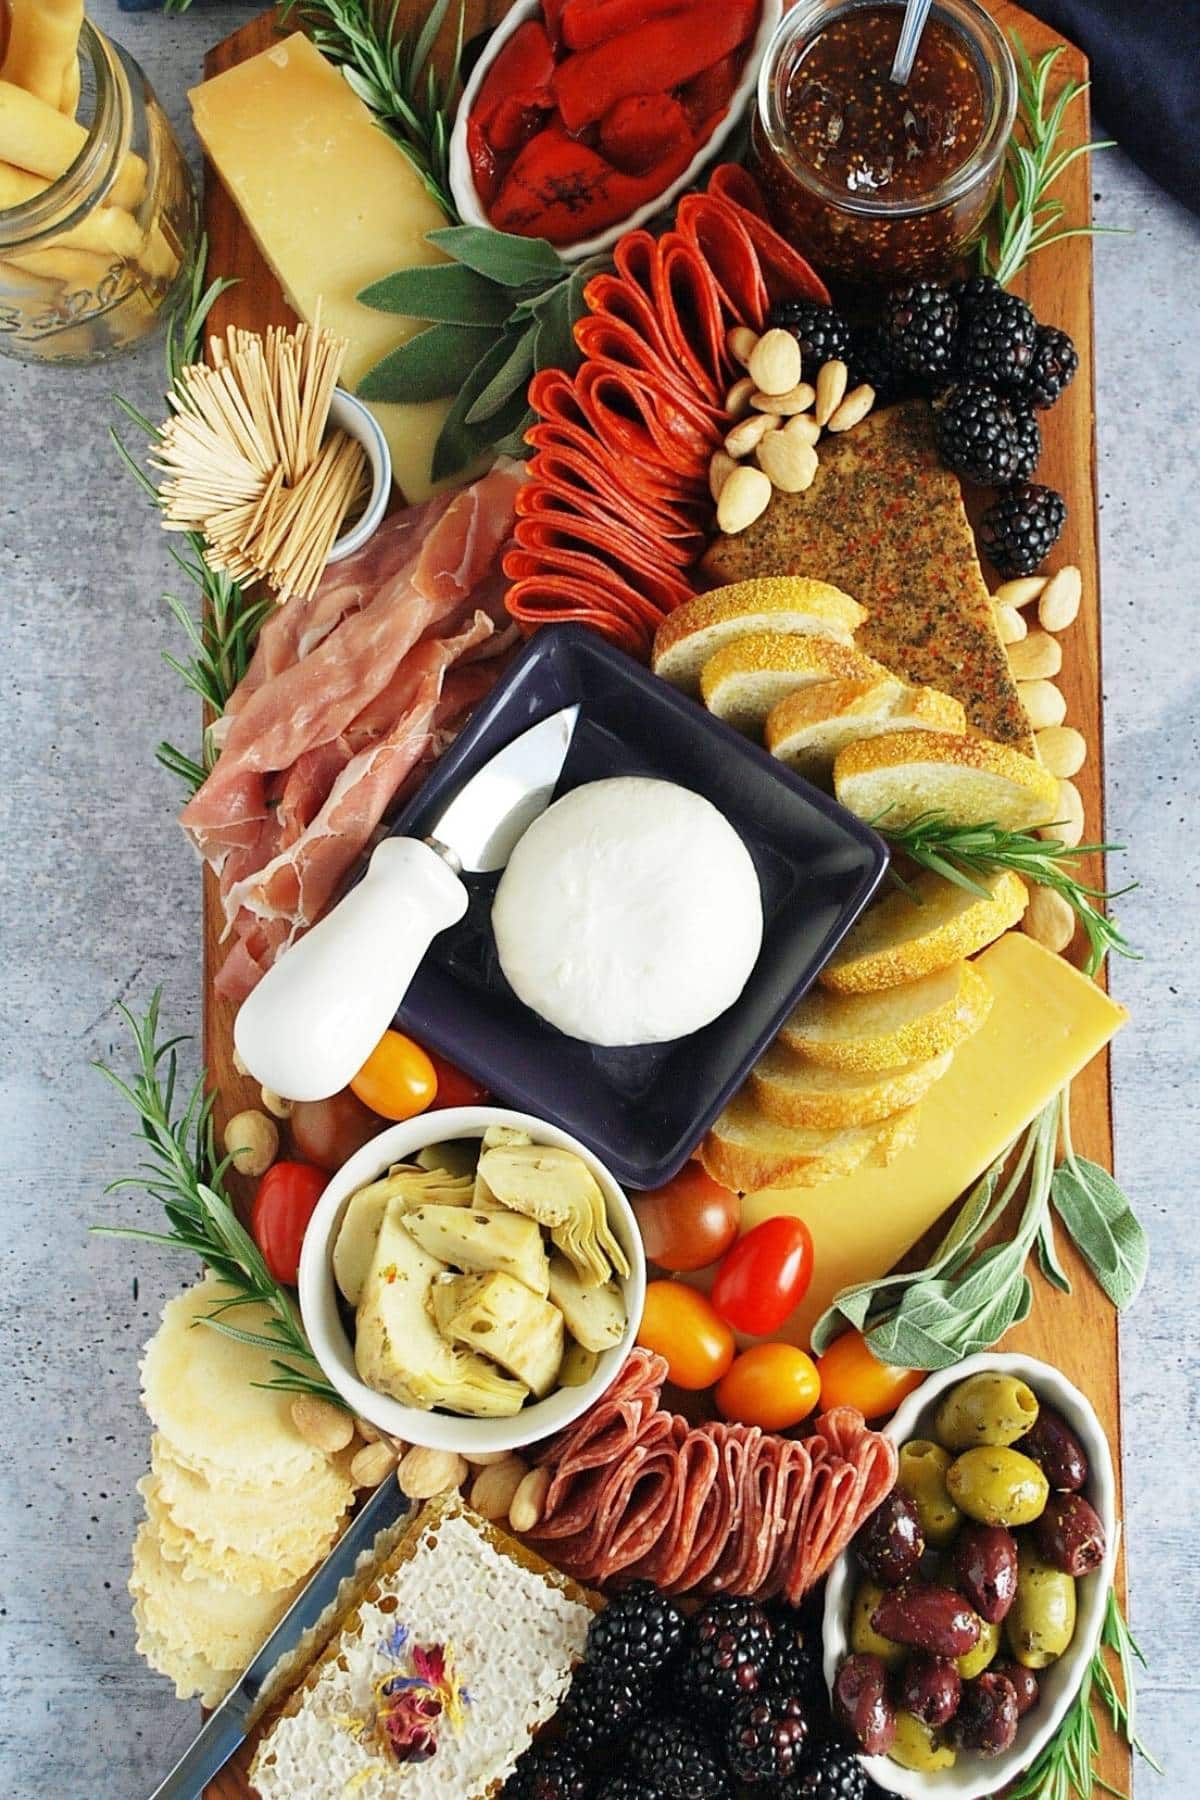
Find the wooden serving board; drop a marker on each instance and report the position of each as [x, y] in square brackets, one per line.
[1077, 1332]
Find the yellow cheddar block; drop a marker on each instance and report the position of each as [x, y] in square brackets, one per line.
[333, 204]
[1046, 1023]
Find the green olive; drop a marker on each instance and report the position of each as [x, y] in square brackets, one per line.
[998, 1486]
[976, 1661]
[917, 1747]
[922, 1476]
[989, 1408]
[863, 1636]
[1041, 1620]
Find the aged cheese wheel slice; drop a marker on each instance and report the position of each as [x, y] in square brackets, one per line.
[194, 1676]
[252, 1570]
[215, 1620]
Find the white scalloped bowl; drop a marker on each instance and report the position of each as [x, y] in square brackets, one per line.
[331, 1343]
[974, 1776]
[462, 181]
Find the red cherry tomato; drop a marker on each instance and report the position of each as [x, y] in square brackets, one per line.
[397, 1080]
[328, 1132]
[454, 1086]
[286, 1198]
[688, 1222]
[852, 1375]
[771, 1385]
[765, 1276]
[679, 1324]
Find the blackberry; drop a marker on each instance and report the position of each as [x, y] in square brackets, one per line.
[1052, 368]
[995, 343]
[870, 360]
[794, 1667]
[626, 1784]
[832, 1773]
[1019, 531]
[980, 437]
[821, 333]
[920, 324]
[601, 1707]
[725, 1652]
[974, 292]
[638, 1631]
[766, 1738]
[547, 1772]
[670, 1758]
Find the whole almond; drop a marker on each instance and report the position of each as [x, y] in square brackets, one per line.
[740, 343]
[487, 1459]
[742, 439]
[804, 427]
[1021, 591]
[1043, 703]
[744, 498]
[853, 410]
[529, 1500]
[787, 461]
[1060, 599]
[719, 470]
[369, 1466]
[1036, 657]
[276, 1104]
[325, 1426]
[775, 362]
[739, 397]
[1010, 624]
[424, 1473]
[1063, 750]
[832, 378]
[1068, 817]
[252, 1139]
[1049, 918]
[797, 400]
[493, 1489]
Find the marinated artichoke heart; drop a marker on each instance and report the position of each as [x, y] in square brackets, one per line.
[354, 1246]
[398, 1349]
[578, 1365]
[475, 1240]
[557, 1188]
[503, 1319]
[496, 1137]
[457, 1156]
[595, 1316]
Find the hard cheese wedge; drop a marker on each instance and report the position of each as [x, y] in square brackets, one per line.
[1047, 1021]
[333, 204]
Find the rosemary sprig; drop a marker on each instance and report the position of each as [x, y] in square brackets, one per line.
[1026, 217]
[182, 1171]
[963, 852]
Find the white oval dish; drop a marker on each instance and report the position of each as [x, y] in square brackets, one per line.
[334, 1350]
[974, 1776]
[347, 413]
[462, 181]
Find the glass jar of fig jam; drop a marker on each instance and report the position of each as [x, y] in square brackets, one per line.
[874, 180]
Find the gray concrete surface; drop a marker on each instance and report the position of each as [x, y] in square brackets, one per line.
[99, 901]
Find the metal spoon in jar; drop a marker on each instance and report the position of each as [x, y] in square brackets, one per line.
[915, 14]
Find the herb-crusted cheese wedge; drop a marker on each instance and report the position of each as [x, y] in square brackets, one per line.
[865, 1033]
[897, 777]
[790, 604]
[924, 927]
[885, 521]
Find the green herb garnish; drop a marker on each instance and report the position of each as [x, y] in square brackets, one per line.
[183, 1172]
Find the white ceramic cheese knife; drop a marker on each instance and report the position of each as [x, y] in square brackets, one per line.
[315, 1017]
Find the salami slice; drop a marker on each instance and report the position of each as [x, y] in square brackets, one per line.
[697, 1463]
[586, 549]
[644, 417]
[547, 597]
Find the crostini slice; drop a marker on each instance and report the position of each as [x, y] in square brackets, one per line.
[808, 728]
[896, 777]
[749, 1152]
[791, 1091]
[789, 604]
[926, 926]
[743, 681]
[865, 1033]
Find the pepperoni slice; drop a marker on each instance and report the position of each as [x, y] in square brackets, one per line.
[720, 237]
[787, 274]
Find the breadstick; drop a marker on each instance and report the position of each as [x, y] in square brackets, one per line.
[38, 138]
[106, 229]
[43, 50]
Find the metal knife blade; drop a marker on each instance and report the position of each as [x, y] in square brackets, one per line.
[222, 1733]
[484, 822]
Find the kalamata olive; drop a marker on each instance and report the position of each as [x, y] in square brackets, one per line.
[930, 1689]
[927, 1617]
[1070, 1534]
[997, 1486]
[984, 1653]
[1025, 1684]
[1056, 1450]
[891, 1543]
[987, 1715]
[922, 1476]
[1041, 1620]
[861, 1704]
[917, 1746]
[863, 1637]
[985, 1569]
[989, 1408]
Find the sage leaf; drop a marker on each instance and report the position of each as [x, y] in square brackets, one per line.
[554, 346]
[460, 443]
[500, 255]
[1047, 1253]
[428, 367]
[448, 293]
[1104, 1226]
[511, 377]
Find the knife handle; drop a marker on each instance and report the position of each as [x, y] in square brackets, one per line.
[317, 1014]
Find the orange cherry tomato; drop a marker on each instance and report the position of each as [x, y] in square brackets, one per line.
[283, 1204]
[688, 1222]
[454, 1086]
[680, 1325]
[851, 1375]
[765, 1276]
[772, 1385]
[397, 1080]
[328, 1132]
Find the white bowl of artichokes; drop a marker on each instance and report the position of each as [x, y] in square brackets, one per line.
[472, 1280]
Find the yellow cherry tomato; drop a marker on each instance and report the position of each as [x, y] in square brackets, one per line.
[397, 1080]
[772, 1385]
[680, 1325]
[851, 1375]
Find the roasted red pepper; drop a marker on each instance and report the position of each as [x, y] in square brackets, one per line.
[560, 189]
[653, 57]
[643, 131]
[589, 22]
[484, 170]
[516, 92]
[711, 90]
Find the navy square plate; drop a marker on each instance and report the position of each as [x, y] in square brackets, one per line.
[642, 1110]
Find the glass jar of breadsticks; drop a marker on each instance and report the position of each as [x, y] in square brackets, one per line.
[99, 219]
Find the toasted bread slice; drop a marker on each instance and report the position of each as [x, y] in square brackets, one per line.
[808, 728]
[791, 1091]
[924, 927]
[896, 777]
[790, 604]
[749, 1152]
[865, 1033]
[743, 681]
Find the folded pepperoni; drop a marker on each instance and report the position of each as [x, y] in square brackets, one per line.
[603, 339]
[689, 301]
[626, 528]
[676, 496]
[609, 296]
[788, 276]
[720, 236]
[586, 549]
[592, 596]
[566, 467]
[644, 418]
[634, 259]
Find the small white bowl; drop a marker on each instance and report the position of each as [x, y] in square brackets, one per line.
[334, 1350]
[973, 1776]
[462, 181]
[347, 413]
